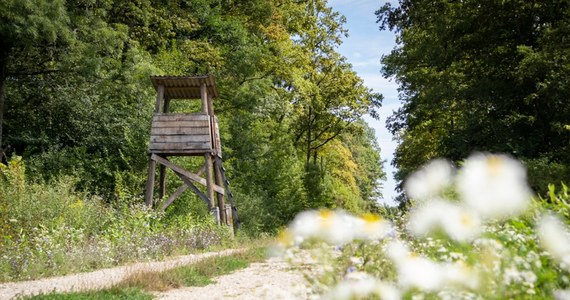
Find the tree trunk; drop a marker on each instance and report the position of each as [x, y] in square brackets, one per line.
[310, 123]
[3, 65]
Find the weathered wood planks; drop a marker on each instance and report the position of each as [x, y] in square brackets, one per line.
[180, 133]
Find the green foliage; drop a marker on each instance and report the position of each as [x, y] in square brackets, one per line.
[77, 72]
[542, 172]
[557, 200]
[480, 76]
[49, 229]
[115, 293]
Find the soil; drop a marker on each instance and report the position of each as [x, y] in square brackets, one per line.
[273, 279]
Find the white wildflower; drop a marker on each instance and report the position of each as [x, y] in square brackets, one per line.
[494, 185]
[397, 250]
[372, 227]
[420, 272]
[334, 227]
[356, 260]
[356, 275]
[562, 294]
[363, 288]
[426, 218]
[511, 275]
[415, 271]
[554, 238]
[425, 274]
[460, 275]
[458, 222]
[529, 277]
[430, 180]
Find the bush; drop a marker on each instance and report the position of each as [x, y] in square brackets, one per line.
[50, 229]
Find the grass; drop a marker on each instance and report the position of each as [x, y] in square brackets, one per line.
[138, 285]
[112, 294]
[198, 274]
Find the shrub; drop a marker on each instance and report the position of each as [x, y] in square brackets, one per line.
[50, 229]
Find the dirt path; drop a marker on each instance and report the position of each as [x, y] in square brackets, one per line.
[98, 279]
[273, 279]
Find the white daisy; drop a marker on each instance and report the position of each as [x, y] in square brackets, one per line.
[334, 227]
[430, 180]
[363, 288]
[371, 227]
[458, 222]
[494, 185]
[555, 238]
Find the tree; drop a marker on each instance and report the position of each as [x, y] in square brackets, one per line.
[467, 82]
[32, 34]
[287, 101]
[331, 97]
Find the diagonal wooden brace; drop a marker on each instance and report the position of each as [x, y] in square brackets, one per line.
[194, 188]
[173, 197]
[190, 176]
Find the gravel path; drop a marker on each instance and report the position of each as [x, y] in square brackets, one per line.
[98, 279]
[273, 279]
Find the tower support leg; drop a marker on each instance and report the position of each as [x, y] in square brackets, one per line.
[150, 183]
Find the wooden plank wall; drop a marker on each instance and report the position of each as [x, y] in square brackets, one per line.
[180, 133]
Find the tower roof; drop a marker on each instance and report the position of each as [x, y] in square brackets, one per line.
[185, 87]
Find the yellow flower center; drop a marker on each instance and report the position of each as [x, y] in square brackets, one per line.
[285, 238]
[466, 220]
[494, 165]
[371, 218]
[325, 217]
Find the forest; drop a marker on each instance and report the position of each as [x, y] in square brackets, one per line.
[78, 100]
[76, 104]
[481, 76]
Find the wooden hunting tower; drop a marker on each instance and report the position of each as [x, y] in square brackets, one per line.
[188, 134]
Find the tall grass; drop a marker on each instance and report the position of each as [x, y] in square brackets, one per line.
[50, 229]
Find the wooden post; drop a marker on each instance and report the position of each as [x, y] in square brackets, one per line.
[204, 97]
[166, 105]
[159, 97]
[161, 181]
[220, 182]
[150, 183]
[210, 185]
[162, 168]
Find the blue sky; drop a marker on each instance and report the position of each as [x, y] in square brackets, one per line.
[363, 48]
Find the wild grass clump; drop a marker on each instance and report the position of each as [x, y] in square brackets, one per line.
[50, 229]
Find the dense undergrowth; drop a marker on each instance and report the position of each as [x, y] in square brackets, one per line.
[50, 229]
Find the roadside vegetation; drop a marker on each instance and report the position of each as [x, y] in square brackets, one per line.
[471, 234]
[50, 229]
